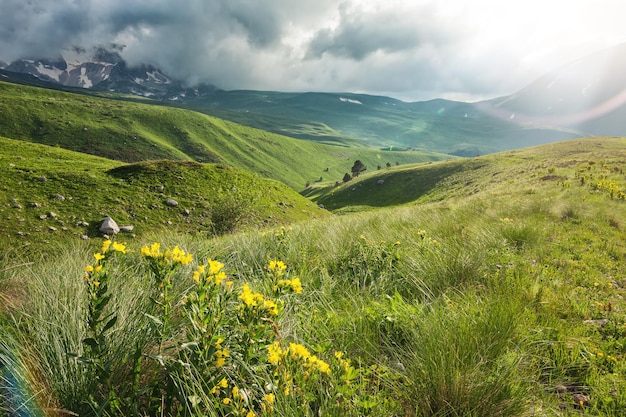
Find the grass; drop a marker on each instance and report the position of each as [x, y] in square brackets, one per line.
[212, 199]
[502, 297]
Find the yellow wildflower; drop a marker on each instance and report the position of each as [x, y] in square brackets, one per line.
[98, 268]
[297, 350]
[105, 245]
[269, 398]
[226, 401]
[89, 268]
[215, 267]
[98, 256]
[250, 414]
[277, 266]
[119, 247]
[271, 307]
[274, 353]
[219, 277]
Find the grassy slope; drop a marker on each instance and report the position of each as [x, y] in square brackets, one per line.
[131, 132]
[94, 187]
[463, 177]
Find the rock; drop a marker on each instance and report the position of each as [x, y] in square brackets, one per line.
[52, 214]
[41, 179]
[82, 224]
[43, 216]
[127, 228]
[59, 197]
[52, 229]
[109, 227]
[17, 206]
[160, 188]
[380, 182]
[186, 212]
[171, 202]
[33, 204]
[169, 222]
[84, 237]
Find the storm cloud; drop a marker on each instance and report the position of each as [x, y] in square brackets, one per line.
[413, 50]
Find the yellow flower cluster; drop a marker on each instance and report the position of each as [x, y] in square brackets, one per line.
[277, 267]
[211, 272]
[293, 284]
[94, 269]
[172, 256]
[220, 357]
[252, 300]
[297, 352]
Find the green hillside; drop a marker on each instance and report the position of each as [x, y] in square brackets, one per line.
[526, 168]
[458, 128]
[49, 194]
[131, 132]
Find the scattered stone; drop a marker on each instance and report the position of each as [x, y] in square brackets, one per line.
[52, 214]
[64, 229]
[59, 197]
[380, 182]
[171, 202]
[52, 228]
[43, 216]
[41, 179]
[109, 227]
[84, 237]
[127, 228]
[321, 206]
[17, 206]
[186, 212]
[20, 233]
[82, 224]
[169, 222]
[160, 188]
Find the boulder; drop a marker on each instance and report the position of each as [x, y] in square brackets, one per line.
[109, 227]
[171, 202]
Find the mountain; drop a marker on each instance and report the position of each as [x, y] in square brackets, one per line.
[587, 95]
[105, 70]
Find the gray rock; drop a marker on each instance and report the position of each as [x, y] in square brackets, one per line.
[186, 212]
[43, 216]
[33, 204]
[160, 188]
[380, 182]
[52, 214]
[41, 179]
[82, 224]
[59, 197]
[84, 237]
[52, 229]
[127, 228]
[171, 202]
[109, 227]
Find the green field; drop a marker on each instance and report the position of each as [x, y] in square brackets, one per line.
[490, 286]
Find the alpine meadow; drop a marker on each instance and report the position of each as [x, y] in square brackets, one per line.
[299, 271]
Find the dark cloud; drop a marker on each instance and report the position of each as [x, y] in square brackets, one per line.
[389, 30]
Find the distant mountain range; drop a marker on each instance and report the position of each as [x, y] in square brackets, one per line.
[105, 70]
[584, 98]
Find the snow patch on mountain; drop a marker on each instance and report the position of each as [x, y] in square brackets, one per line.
[349, 100]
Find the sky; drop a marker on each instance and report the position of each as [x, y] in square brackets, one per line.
[408, 49]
